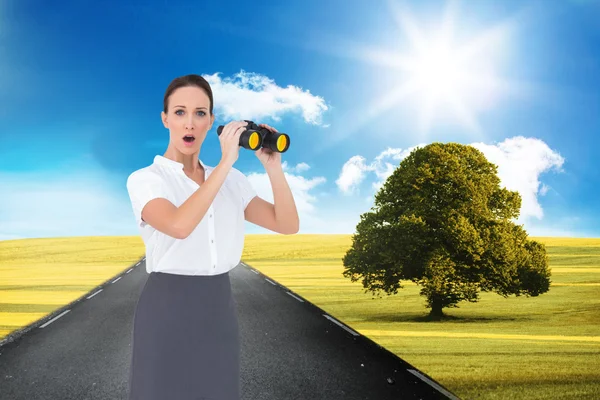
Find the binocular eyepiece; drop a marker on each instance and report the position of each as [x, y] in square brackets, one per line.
[255, 137]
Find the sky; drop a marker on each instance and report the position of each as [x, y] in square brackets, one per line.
[356, 85]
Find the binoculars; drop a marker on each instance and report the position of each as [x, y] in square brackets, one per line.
[255, 137]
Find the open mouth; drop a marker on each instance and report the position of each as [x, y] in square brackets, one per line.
[189, 138]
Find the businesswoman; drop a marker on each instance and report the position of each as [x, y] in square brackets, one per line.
[191, 216]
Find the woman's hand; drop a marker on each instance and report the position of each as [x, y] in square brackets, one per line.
[268, 157]
[230, 141]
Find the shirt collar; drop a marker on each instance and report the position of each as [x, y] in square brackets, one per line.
[162, 160]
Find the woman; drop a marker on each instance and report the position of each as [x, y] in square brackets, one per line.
[191, 216]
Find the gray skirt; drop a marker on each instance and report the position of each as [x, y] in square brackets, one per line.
[185, 343]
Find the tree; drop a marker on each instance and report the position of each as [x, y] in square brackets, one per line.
[442, 221]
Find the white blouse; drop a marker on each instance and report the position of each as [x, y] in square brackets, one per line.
[215, 246]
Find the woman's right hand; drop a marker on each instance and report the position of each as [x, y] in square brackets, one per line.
[230, 141]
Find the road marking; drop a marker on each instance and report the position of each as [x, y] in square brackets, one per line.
[433, 384]
[270, 281]
[129, 271]
[116, 279]
[340, 324]
[89, 297]
[251, 269]
[54, 319]
[297, 298]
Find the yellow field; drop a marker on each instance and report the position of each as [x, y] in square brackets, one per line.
[39, 276]
[517, 348]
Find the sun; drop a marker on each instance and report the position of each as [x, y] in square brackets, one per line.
[438, 73]
[437, 76]
[445, 80]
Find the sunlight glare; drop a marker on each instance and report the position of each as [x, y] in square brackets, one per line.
[438, 76]
[438, 73]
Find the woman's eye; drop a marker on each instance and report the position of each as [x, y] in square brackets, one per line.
[202, 112]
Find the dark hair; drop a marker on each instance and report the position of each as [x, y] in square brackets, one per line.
[188, 80]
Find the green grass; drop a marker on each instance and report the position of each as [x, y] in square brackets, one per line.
[545, 347]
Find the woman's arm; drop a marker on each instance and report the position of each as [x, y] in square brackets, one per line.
[191, 212]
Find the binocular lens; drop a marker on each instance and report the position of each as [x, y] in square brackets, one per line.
[254, 140]
[281, 143]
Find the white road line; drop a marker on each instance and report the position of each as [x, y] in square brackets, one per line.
[251, 269]
[129, 271]
[54, 319]
[432, 383]
[297, 298]
[89, 297]
[117, 279]
[270, 281]
[342, 325]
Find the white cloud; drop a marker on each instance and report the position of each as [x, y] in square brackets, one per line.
[383, 169]
[520, 163]
[355, 169]
[353, 173]
[300, 186]
[256, 97]
[319, 211]
[300, 167]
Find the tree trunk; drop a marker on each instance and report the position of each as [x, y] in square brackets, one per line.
[436, 309]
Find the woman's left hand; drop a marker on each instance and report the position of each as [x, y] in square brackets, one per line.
[268, 157]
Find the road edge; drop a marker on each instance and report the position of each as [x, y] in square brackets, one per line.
[442, 390]
[14, 336]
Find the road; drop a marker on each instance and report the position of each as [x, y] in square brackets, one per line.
[291, 349]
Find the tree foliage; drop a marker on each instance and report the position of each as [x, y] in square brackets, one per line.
[442, 220]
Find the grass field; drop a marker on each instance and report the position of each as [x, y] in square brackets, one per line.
[517, 348]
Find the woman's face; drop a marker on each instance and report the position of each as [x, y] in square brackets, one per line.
[188, 115]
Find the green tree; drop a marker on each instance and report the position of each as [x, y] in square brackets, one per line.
[442, 220]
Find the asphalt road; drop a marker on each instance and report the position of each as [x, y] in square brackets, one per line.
[291, 349]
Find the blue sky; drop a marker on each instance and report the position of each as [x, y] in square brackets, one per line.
[82, 83]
